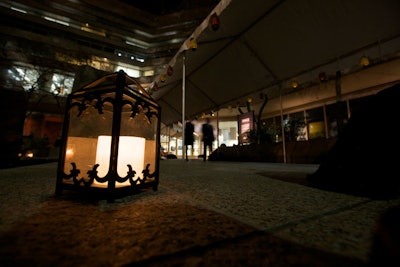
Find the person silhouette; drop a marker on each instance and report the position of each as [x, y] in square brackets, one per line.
[208, 137]
[189, 139]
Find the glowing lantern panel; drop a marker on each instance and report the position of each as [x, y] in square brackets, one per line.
[110, 138]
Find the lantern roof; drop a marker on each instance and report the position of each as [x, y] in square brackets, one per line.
[110, 80]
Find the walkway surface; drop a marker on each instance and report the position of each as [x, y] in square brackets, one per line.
[203, 214]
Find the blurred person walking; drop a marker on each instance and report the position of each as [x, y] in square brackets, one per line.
[208, 137]
[189, 139]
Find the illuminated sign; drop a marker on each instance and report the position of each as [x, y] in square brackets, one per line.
[245, 125]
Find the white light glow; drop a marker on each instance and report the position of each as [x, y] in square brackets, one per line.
[19, 10]
[56, 21]
[148, 73]
[94, 31]
[130, 151]
[131, 72]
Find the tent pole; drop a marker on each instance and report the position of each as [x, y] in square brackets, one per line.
[183, 104]
[282, 126]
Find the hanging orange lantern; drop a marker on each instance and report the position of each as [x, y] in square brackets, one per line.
[170, 70]
[364, 61]
[193, 44]
[163, 77]
[214, 22]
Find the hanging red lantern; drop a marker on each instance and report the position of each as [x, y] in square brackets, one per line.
[322, 76]
[170, 71]
[214, 22]
[155, 87]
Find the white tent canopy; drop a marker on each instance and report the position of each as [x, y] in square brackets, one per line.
[262, 45]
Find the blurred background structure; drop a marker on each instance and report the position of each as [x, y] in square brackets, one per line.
[299, 68]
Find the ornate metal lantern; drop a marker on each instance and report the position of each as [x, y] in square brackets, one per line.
[111, 141]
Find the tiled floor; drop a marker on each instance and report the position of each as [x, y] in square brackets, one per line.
[203, 214]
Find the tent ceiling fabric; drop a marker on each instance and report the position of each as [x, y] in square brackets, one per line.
[260, 46]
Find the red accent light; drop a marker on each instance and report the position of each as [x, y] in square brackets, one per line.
[214, 21]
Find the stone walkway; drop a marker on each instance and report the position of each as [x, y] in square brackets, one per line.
[203, 214]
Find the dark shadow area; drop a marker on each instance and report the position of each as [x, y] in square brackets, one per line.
[94, 195]
[364, 160]
[290, 177]
[253, 249]
[25, 162]
[142, 233]
[386, 240]
[72, 233]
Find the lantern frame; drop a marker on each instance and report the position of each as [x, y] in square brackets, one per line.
[106, 114]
